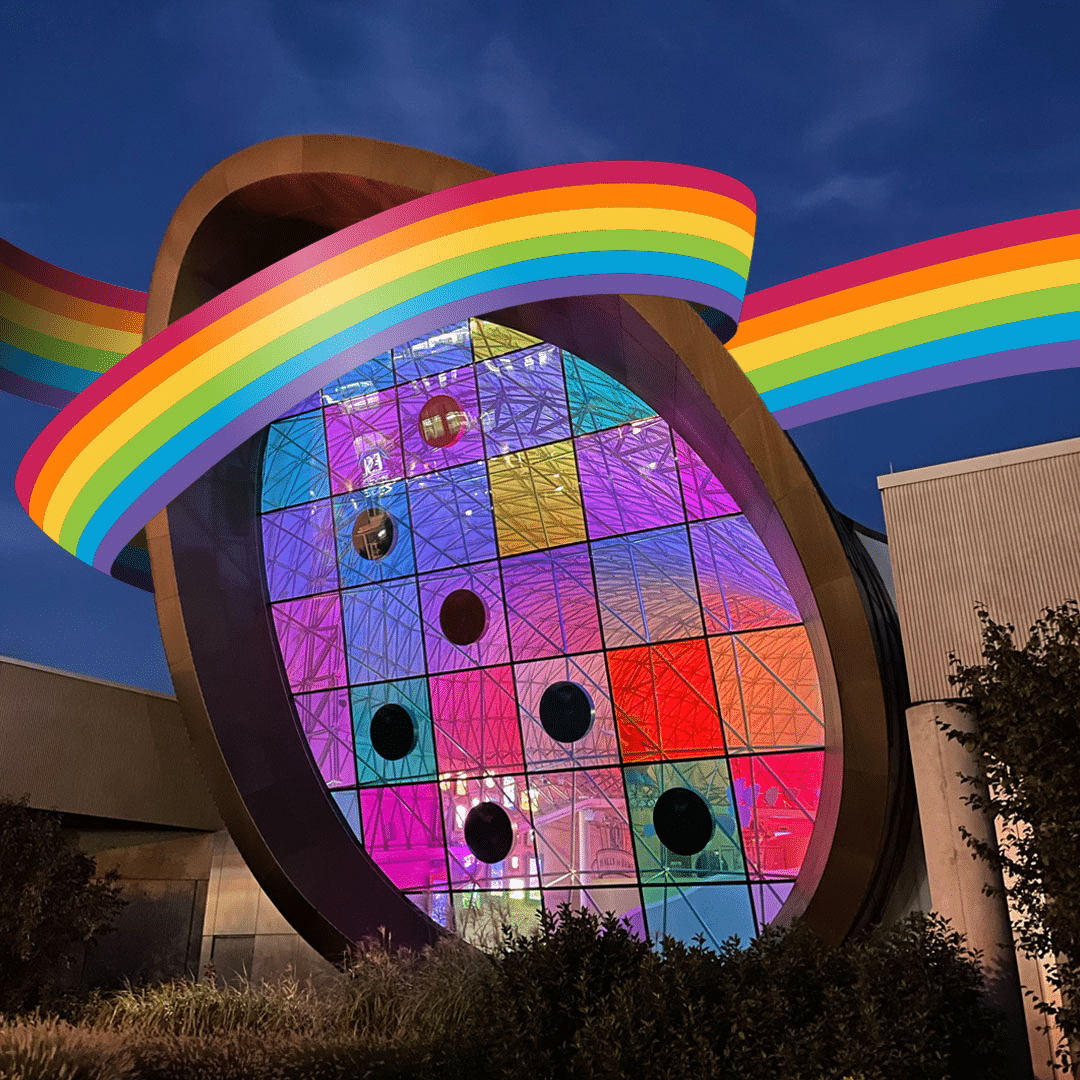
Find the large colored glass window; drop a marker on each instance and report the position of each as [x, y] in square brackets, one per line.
[536, 650]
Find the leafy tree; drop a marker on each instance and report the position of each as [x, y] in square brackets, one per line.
[1027, 744]
[51, 904]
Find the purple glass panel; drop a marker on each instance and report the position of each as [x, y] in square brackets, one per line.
[452, 510]
[510, 792]
[582, 828]
[769, 898]
[491, 648]
[628, 478]
[447, 348]
[741, 588]
[327, 727]
[363, 441]
[476, 724]
[550, 603]
[599, 746]
[382, 632]
[468, 444]
[705, 495]
[523, 400]
[298, 551]
[403, 833]
[309, 635]
[646, 586]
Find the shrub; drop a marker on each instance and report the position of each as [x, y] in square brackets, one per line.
[51, 905]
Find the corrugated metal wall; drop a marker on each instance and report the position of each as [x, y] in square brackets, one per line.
[1003, 529]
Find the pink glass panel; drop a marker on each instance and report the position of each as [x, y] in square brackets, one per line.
[309, 635]
[777, 796]
[518, 870]
[403, 833]
[705, 495]
[475, 720]
[468, 445]
[600, 745]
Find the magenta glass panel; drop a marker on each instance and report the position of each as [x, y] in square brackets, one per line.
[523, 400]
[769, 897]
[623, 902]
[491, 647]
[741, 588]
[519, 866]
[327, 727]
[628, 478]
[468, 441]
[550, 603]
[705, 495]
[309, 635]
[475, 719]
[777, 796]
[600, 746]
[363, 442]
[298, 550]
[582, 829]
[404, 834]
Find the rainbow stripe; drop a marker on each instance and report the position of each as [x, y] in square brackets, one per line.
[58, 330]
[992, 302]
[145, 429]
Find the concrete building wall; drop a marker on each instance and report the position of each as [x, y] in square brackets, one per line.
[1002, 529]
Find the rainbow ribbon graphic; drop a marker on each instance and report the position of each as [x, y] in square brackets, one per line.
[983, 304]
[149, 426]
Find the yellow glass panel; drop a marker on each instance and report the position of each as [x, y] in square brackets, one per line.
[537, 498]
[490, 340]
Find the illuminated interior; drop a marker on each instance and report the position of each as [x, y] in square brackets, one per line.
[537, 652]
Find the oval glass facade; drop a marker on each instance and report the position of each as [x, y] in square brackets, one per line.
[464, 523]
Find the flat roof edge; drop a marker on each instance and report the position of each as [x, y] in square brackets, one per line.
[86, 678]
[979, 464]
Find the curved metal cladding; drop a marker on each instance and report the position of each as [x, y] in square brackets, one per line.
[269, 259]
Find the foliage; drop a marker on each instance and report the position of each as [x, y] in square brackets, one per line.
[1027, 745]
[581, 998]
[51, 904]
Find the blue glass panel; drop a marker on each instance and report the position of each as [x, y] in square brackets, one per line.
[349, 805]
[294, 468]
[398, 561]
[717, 912]
[523, 400]
[419, 763]
[368, 375]
[448, 348]
[598, 401]
[383, 639]
[454, 507]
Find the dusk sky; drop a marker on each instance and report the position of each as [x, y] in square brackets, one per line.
[860, 127]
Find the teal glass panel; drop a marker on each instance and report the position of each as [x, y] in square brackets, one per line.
[721, 859]
[597, 401]
[294, 468]
[419, 763]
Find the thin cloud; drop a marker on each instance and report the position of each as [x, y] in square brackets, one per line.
[864, 193]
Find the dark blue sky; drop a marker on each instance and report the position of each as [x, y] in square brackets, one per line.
[859, 126]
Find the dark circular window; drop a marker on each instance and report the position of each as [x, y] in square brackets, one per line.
[566, 712]
[683, 821]
[463, 617]
[442, 421]
[373, 533]
[393, 733]
[489, 833]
